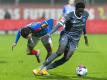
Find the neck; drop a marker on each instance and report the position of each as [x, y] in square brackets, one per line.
[78, 15]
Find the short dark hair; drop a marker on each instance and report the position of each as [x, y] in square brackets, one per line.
[25, 32]
[80, 4]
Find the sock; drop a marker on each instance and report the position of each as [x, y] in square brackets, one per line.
[34, 52]
[42, 66]
[45, 68]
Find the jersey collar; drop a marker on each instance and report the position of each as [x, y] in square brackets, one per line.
[77, 16]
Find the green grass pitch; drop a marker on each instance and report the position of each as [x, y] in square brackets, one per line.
[16, 65]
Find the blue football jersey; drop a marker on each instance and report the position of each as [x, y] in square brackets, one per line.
[35, 26]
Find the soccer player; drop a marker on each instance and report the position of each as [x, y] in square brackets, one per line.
[33, 33]
[75, 25]
[69, 7]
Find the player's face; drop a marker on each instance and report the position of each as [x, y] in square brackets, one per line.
[79, 11]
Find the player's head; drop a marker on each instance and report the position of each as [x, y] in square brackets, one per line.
[25, 32]
[79, 6]
[71, 2]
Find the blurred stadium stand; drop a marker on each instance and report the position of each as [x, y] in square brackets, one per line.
[23, 12]
[102, 2]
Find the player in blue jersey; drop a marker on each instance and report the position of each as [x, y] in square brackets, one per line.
[69, 7]
[75, 25]
[33, 33]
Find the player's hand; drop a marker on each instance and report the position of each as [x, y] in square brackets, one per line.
[86, 43]
[86, 40]
[13, 46]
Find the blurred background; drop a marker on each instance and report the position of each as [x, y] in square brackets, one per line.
[17, 13]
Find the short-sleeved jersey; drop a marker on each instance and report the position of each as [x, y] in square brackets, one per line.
[74, 25]
[35, 28]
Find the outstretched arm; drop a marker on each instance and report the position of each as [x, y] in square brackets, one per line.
[60, 23]
[16, 41]
[17, 36]
[55, 28]
[85, 36]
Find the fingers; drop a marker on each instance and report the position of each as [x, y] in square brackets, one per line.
[13, 46]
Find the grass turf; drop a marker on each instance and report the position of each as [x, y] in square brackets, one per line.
[16, 65]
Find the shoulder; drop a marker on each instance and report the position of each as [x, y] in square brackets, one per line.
[70, 14]
[49, 21]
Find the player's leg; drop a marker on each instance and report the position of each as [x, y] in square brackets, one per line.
[62, 45]
[64, 59]
[47, 42]
[30, 48]
[59, 62]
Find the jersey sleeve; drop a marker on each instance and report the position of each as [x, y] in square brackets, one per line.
[84, 29]
[17, 36]
[86, 14]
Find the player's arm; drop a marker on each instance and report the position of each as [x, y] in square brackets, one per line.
[16, 40]
[84, 30]
[60, 23]
[55, 28]
[85, 36]
[63, 20]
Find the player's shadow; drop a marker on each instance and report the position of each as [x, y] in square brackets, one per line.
[3, 62]
[62, 77]
[55, 77]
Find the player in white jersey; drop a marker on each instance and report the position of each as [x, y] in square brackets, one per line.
[69, 7]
